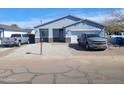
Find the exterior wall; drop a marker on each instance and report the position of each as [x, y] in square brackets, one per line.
[80, 27]
[1, 33]
[67, 31]
[33, 31]
[37, 33]
[9, 33]
[59, 24]
[55, 25]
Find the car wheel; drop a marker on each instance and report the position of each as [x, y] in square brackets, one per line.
[19, 44]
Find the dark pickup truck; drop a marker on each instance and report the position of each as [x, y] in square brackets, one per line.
[92, 41]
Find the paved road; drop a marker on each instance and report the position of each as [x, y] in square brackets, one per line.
[59, 65]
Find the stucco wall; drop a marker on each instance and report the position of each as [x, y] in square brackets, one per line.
[67, 31]
[58, 24]
[80, 27]
[8, 33]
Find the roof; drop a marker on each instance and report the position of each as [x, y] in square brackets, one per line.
[79, 20]
[7, 27]
[14, 28]
[68, 16]
[27, 30]
[89, 22]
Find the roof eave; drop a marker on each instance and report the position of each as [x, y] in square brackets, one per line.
[56, 20]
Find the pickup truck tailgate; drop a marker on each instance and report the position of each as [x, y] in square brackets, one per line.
[7, 41]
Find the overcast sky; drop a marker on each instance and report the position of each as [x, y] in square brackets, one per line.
[30, 17]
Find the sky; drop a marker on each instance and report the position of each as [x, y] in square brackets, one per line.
[30, 17]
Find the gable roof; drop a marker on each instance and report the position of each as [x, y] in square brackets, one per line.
[89, 22]
[13, 28]
[27, 30]
[68, 16]
[7, 27]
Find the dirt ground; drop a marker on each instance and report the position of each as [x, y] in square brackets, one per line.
[61, 63]
[77, 50]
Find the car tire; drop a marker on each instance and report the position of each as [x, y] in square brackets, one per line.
[19, 44]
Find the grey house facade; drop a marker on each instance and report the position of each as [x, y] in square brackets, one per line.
[66, 29]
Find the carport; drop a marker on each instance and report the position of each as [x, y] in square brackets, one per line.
[77, 32]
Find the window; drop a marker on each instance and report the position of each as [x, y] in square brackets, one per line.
[45, 33]
[25, 35]
[16, 35]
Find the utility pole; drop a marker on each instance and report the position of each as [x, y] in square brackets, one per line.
[41, 43]
[41, 46]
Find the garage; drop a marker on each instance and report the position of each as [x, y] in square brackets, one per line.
[76, 33]
[84, 26]
[74, 36]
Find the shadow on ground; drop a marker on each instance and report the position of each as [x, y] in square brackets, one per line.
[28, 53]
[81, 48]
[7, 46]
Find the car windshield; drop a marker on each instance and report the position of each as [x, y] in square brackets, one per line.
[15, 35]
[93, 35]
[25, 35]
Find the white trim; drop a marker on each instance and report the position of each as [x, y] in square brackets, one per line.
[85, 29]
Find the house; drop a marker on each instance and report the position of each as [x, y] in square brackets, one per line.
[6, 30]
[66, 29]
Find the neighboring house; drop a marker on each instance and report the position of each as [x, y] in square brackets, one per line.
[66, 29]
[6, 30]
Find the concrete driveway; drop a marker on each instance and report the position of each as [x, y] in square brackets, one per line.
[62, 64]
[49, 49]
[6, 50]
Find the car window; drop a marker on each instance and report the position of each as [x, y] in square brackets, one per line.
[16, 35]
[118, 34]
[25, 35]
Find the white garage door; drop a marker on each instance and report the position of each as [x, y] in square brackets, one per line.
[74, 36]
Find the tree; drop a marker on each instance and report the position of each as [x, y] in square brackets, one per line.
[116, 24]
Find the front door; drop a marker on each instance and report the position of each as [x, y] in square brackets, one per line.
[61, 35]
